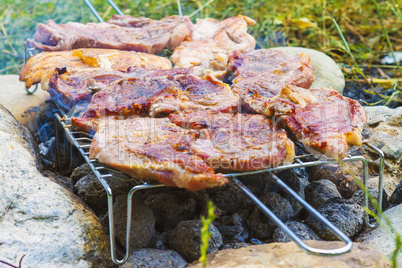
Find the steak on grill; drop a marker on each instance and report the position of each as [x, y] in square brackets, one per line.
[78, 88]
[329, 124]
[145, 35]
[261, 74]
[236, 142]
[211, 43]
[153, 148]
[41, 67]
[157, 96]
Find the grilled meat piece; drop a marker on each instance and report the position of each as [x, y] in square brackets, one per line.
[157, 96]
[236, 142]
[212, 42]
[145, 35]
[261, 74]
[41, 67]
[78, 88]
[169, 31]
[153, 148]
[330, 124]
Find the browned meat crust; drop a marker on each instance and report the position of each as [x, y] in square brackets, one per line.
[330, 124]
[145, 35]
[261, 74]
[240, 142]
[157, 96]
[41, 67]
[150, 148]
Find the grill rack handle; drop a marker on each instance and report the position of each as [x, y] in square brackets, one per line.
[290, 233]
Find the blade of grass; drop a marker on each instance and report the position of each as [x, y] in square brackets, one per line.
[201, 8]
[353, 58]
[179, 7]
[395, 9]
[385, 32]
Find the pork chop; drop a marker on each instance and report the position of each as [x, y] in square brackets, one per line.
[212, 42]
[157, 96]
[330, 124]
[236, 142]
[261, 74]
[41, 67]
[153, 148]
[145, 35]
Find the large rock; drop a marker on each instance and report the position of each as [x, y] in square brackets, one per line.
[148, 257]
[383, 238]
[14, 97]
[39, 218]
[290, 255]
[327, 72]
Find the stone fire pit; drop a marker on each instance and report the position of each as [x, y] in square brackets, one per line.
[61, 220]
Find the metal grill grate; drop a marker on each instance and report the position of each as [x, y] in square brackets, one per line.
[82, 142]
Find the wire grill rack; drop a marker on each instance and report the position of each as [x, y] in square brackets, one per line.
[82, 141]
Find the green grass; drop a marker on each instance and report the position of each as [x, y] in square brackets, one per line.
[304, 23]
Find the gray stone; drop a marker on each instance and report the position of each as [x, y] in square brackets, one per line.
[92, 192]
[186, 239]
[359, 198]
[262, 226]
[39, 218]
[344, 182]
[276, 255]
[391, 146]
[300, 229]
[318, 192]
[377, 114]
[142, 228]
[154, 258]
[396, 118]
[383, 238]
[170, 208]
[345, 215]
[327, 72]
